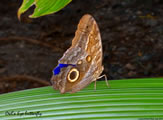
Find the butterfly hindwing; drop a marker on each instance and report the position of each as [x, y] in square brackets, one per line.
[86, 56]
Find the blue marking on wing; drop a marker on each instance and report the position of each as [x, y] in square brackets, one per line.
[63, 65]
[57, 70]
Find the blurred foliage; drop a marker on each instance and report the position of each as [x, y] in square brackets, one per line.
[43, 7]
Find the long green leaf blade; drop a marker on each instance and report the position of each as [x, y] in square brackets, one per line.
[126, 100]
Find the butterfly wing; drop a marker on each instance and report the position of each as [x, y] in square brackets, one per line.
[85, 53]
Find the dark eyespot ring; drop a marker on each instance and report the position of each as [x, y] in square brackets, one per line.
[73, 75]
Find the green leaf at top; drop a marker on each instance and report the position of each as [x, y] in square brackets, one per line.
[43, 7]
[25, 6]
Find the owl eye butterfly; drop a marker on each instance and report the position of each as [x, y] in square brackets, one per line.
[81, 64]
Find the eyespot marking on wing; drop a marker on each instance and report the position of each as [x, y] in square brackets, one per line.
[88, 58]
[79, 62]
[73, 75]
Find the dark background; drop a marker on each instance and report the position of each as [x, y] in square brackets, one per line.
[131, 30]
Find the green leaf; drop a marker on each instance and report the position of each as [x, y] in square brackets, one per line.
[24, 7]
[132, 99]
[43, 7]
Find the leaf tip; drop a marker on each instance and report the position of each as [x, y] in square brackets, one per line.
[19, 15]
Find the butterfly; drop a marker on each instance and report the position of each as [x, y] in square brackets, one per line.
[81, 64]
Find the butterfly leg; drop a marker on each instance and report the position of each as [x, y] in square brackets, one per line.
[106, 80]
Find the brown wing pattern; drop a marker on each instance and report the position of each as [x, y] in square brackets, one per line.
[88, 38]
[86, 46]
